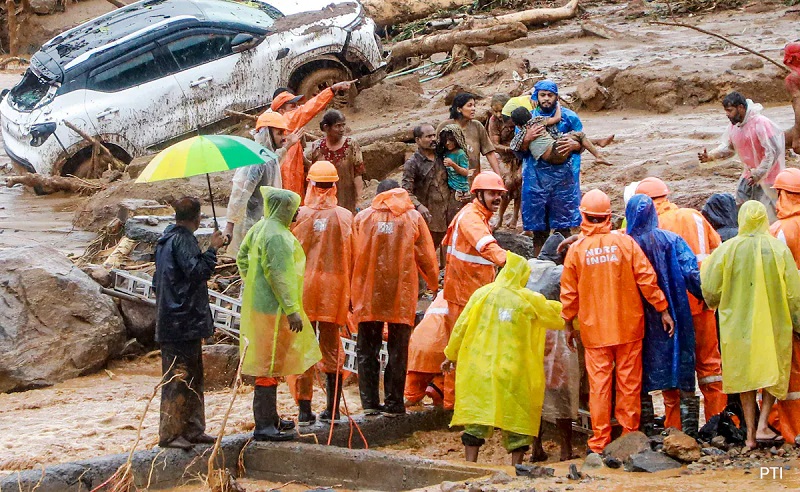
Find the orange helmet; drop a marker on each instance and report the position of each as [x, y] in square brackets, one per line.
[323, 172]
[788, 180]
[487, 180]
[596, 203]
[273, 120]
[652, 187]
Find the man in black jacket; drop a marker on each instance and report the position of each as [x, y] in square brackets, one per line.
[184, 320]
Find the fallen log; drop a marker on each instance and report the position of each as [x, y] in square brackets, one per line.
[97, 147]
[439, 43]
[51, 184]
[533, 16]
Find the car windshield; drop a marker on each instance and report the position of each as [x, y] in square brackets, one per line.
[29, 92]
[252, 13]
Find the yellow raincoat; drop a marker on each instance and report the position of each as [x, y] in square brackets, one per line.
[272, 263]
[754, 281]
[498, 342]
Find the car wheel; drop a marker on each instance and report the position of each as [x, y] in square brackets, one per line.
[322, 78]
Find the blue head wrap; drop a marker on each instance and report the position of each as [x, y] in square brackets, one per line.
[543, 85]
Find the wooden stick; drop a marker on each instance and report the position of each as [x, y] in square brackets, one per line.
[244, 116]
[689, 26]
[115, 3]
[102, 148]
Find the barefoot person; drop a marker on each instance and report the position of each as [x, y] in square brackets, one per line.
[760, 145]
[498, 346]
[752, 279]
[183, 321]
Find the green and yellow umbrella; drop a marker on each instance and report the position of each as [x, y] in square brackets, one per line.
[205, 154]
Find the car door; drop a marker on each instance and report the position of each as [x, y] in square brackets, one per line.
[135, 99]
[212, 76]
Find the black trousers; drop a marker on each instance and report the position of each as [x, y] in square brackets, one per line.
[182, 403]
[368, 347]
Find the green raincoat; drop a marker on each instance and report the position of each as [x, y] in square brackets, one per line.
[272, 263]
[753, 280]
[498, 342]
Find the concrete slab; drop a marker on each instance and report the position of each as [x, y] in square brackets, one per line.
[352, 469]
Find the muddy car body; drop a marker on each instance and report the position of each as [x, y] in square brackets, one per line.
[147, 75]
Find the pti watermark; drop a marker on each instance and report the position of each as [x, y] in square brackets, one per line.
[770, 473]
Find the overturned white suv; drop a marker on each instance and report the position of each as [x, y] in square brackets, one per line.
[145, 75]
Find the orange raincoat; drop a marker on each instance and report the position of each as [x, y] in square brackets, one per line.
[702, 239]
[292, 167]
[603, 276]
[472, 253]
[391, 243]
[426, 351]
[787, 229]
[325, 231]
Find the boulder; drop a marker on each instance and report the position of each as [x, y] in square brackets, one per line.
[627, 445]
[593, 95]
[43, 7]
[494, 54]
[682, 447]
[99, 274]
[220, 362]
[55, 323]
[140, 321]
[592, 462]
[517, 243]
[748, 63]
[382, 158]
[650, 462]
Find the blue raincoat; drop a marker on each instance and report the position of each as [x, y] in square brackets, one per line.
[668, 362]
[551, 194]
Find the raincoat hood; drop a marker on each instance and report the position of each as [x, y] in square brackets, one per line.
[396, 201]
[753, 109]
[788, 204]
[641, 215]
[791, 55]
[321, 198]
[549, 250]
[753, 218]
[720, 211]
[515, 273]
[170, 231]
[590, 229]
[280, 205]
[663, 205]
[543, 85]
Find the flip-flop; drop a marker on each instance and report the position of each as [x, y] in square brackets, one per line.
[768, 443]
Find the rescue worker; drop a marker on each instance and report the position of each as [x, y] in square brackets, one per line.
[753, 281]
[701, 237]
[787, 230]
[760, 145]
[604, 274]
[668, 358]
[325, 232]
[391, 244]
[245, 206]
[298, 116]
[472, 255]
[561, 366]
[496, 385]
[275, 331]
[183, 320]
[721, 212]
[426, 354]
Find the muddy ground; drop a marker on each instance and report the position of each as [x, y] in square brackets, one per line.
[662, 105]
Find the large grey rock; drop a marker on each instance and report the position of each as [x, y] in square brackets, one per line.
[54, 322]
[140, 321]
[43, 6]
[219, 365]
[650, 462]
[517, 243]
[682, 447]
[627, 445]
[592, 462]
